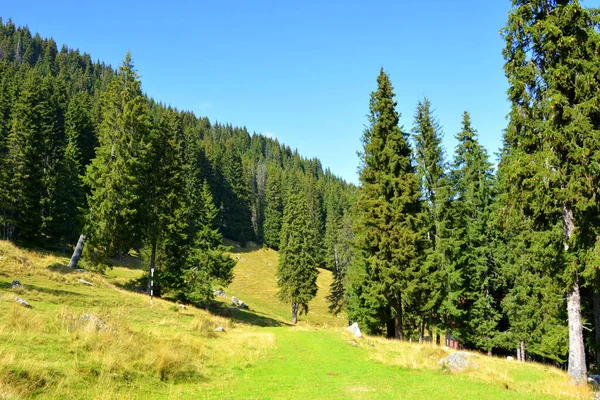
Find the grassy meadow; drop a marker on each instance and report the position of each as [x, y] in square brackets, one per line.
[129, 349]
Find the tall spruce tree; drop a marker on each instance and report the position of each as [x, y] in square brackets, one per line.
[439, 278]
[116, 174]
[297, 270]
[552, 141]
[273, 208]
[388, 239]
[473, 182]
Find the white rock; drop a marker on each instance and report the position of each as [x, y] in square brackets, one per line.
[219, 329]
[22, 302]
[510, 358]
[354, 329]
[85, 282]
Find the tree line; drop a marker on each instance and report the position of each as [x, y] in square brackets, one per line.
[84, 150]
[499, 261]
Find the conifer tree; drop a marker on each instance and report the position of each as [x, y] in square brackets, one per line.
[273, 209]
[473, 182]
[115, 176]
[297, 270]
[551, 143]
[387, 227]
[439, 279]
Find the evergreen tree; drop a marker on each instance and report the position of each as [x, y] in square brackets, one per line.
[340, 254]
[439, 290]
[207, 264]
[551, 143]
[297, 271]
[473, 182]
[273, 209]
[387, 229]
[115, 175]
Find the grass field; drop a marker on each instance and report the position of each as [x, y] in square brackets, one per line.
[129, 349]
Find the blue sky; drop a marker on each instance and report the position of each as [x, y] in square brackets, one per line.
[301, 71]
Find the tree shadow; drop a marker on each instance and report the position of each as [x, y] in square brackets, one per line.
[247, 317]
[53, 292]
[60, 268]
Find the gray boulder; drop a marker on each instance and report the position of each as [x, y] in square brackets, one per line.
[235, 301]
[355, 330]
[84, 282]
[93, 322]
[15, 284]
[219, 293]
[219, 329]
[22, 302]
[459, 361]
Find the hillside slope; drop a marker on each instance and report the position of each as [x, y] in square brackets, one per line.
[103, 342]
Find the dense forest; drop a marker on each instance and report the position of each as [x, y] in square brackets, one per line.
[429, 247]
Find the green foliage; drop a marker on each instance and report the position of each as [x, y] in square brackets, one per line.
[388, 219]
[297, 271]
[116, 175]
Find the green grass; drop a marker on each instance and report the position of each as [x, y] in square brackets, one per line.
[163, 352]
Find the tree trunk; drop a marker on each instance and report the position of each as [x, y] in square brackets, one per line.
[77, 252]
[391, 328]
[577, 368]
[523, 357]
[398, 330]
[519, 354]
[597, 325]
[398, 327]
[294, 313]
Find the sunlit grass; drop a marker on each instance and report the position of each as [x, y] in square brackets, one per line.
[130, 349]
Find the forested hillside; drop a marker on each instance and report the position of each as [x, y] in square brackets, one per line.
[83, 150]
[433, 246]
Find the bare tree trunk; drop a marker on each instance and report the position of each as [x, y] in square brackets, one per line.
[519, 354]
[294, 313]
[577, 367]
[77, 252]
[597, 325]
[523, 355]
[398, 328]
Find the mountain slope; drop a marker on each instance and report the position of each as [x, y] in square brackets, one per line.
[104, 342]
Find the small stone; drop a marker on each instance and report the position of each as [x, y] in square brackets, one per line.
[235, 301]
[22, 302]
[219, 293]
[93, 321]
[510, 358]
[458, 361]
[80, 271]
[352, 342]
[355, 330]
[182, 306]
[219, 329]
[83, 281]
[15, 284]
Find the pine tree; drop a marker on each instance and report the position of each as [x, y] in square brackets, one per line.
[551, 143]
[273, 208]
[439, 291]
[297, 271]
[473, 182]
[115, 176]
[387, 227]
[207, 264]
[340, 255]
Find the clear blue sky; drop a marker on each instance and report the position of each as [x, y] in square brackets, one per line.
[301, 71]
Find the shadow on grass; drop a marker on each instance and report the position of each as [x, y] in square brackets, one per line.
[247, 317]
[54, 292]
[60, 268]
